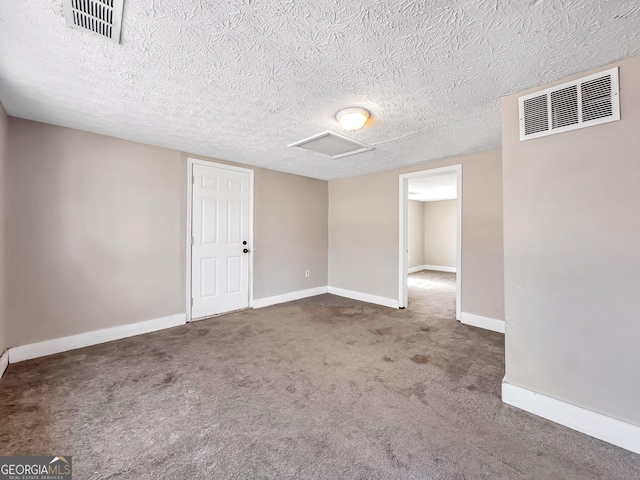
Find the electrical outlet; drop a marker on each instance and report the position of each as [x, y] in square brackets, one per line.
[306, 273]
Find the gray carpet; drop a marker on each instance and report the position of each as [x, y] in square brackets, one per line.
[322, 388]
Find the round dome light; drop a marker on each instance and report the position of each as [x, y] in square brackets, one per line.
[352, 118]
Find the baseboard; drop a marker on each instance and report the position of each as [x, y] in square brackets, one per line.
[364, 297]
[437, 268]
[416, 269]
[440, 268]
[289, 297]
[611, 430]
[4, 362]
[482, 322]
[81, 340]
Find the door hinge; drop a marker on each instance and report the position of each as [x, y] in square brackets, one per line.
[193, 179]
[192, 240]
[192, 301]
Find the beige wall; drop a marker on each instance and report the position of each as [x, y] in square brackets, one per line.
[98, 227]
[4, 125]
[572, 272]
[363, 232]
[441, 231]
[415, 233]
[290, 233]
[94, 232]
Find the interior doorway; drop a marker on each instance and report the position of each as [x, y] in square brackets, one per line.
[220, 238]
[442, 185]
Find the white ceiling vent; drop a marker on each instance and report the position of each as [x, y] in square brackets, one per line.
[103, 17]
[582, 103]
[331, 145]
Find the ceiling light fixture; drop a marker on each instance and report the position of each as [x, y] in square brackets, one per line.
[352, 119]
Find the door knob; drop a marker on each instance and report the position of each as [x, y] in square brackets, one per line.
[245, 250]
[244, 243]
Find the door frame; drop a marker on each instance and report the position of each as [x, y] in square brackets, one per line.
[190, 163]
[403, 291]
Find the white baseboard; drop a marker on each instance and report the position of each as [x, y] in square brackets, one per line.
[416, 269]
[4, 362]
[364, 297]
[437, 268]
[600, 426]
[440, 268]
[289, 297]
[81, 340]
[482, 322]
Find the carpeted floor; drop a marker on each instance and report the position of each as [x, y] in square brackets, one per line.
[322, 388]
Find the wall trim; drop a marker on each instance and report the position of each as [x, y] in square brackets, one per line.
[437, 268]
[483, 322]
[440, 268]
[289, 297]
[364, 297]
[4, 362]
[81, 340]
[416, 269]
[611, 430]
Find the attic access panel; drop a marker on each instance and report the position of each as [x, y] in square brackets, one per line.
[102, 17]
[331, 145]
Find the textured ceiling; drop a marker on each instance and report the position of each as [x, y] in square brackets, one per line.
[241, 79]
[434, 187]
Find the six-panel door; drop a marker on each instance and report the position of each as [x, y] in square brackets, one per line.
[220, 225]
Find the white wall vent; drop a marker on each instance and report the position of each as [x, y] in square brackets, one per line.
[331, 145]
[103, 17]
[582, 103]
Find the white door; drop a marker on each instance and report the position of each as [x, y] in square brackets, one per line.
[220, 205]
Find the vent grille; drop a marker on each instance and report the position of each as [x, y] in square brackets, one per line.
[103, 17]
[536, 118]
[596, 99]
[564, 107]
[582, 103]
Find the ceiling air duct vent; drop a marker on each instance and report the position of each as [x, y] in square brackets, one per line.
[582, 103]
[103, 17]
[331, 145]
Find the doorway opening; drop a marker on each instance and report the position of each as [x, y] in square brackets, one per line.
[431, 231]
[219, 239]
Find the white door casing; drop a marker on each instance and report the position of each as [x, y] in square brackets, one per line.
[220, 227]
[403, 292]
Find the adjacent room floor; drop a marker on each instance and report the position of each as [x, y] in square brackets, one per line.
[322, 388]
[433, 292]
